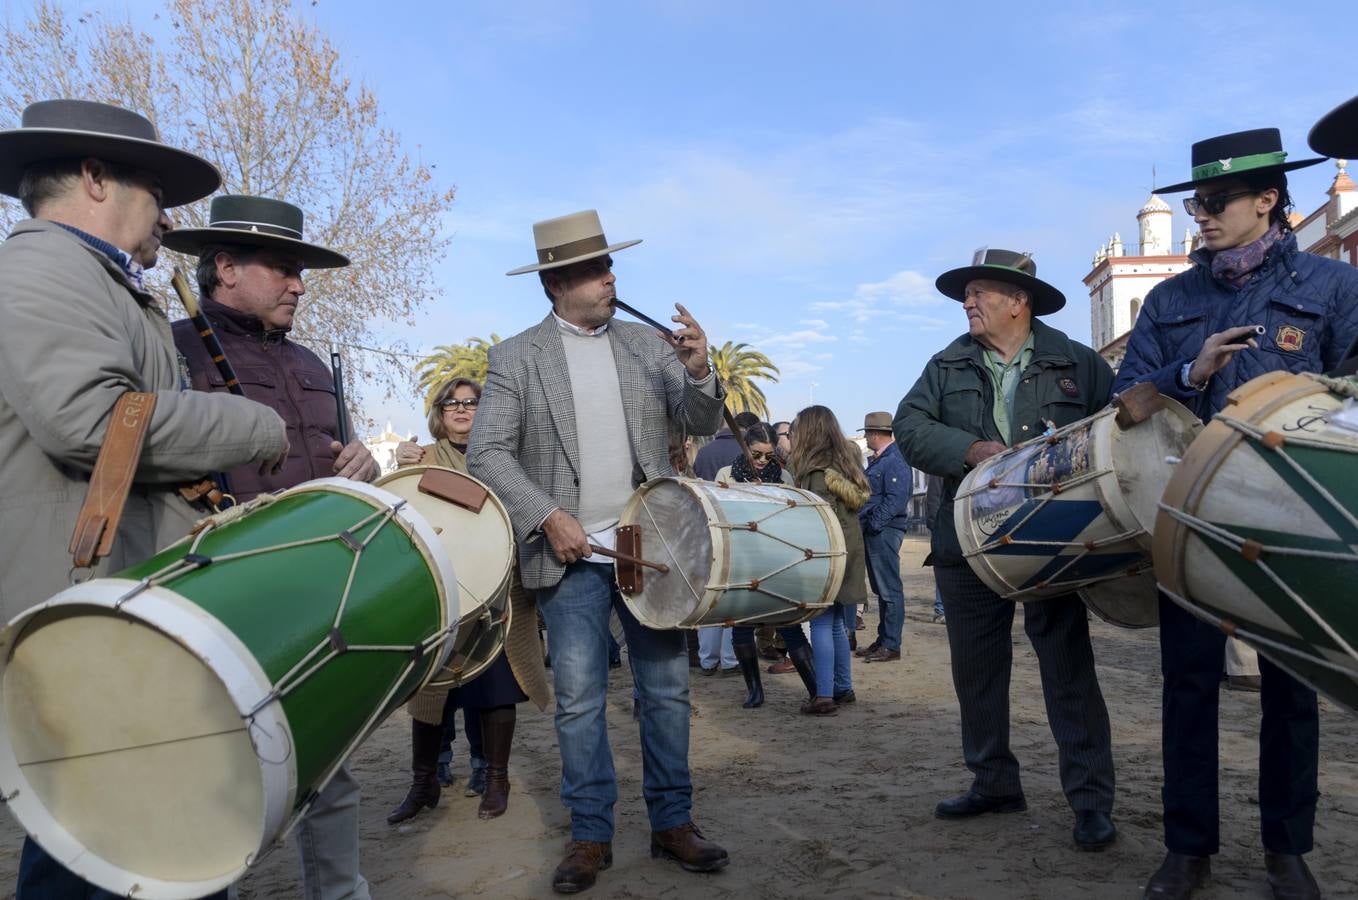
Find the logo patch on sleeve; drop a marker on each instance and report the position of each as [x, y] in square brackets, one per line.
[1067, 386]
[1289, 337]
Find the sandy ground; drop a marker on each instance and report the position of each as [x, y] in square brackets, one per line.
[842, 807]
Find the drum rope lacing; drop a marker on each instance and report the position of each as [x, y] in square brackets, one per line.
[754, 584]
[1257, 550]
[1052, 489]
[291, 680]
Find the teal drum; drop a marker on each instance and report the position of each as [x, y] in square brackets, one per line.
[162, 728]
[1258, 528]
[737, 554]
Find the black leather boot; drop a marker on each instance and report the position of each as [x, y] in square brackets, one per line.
[748, 657]
[497, 736]
[806, 667]
[424, 760]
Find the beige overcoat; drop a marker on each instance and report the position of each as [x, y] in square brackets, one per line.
[74, 336]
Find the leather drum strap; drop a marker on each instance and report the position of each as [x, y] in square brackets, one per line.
[97, 524]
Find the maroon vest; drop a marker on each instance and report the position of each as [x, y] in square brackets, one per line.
[282, 375]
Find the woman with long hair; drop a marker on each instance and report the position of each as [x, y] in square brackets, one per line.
[827, 464]
[489, 698]
[760, 441]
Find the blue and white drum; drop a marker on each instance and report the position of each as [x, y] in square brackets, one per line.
[1073, 511]
[738, 554]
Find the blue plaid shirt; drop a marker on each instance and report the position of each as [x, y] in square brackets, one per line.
[131, 268]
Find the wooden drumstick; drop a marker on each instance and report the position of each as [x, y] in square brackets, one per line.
[634, 560]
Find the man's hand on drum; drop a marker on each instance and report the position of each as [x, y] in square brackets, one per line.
[567, 537]
[354, 461]
[689, 343]
[982, 450]
[1218, 350]
[409, 453]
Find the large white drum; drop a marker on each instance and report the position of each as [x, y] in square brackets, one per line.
[474, 528]
[738, 554]
[1072, 511]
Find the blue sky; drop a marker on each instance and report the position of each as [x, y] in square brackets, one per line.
[801, 172]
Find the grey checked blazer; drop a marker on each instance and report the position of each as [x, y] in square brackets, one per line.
[524, 440]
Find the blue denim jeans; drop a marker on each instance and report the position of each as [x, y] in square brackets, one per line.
[576, 611]
[715, 648]
[884, 572]
[830, 649]
[938, 601]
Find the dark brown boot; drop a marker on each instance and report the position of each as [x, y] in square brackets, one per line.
[583, 862]
[686, 845]
[497, 736]
[806, 667]
[424, 760]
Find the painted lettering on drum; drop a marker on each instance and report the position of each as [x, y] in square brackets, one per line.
[1057, 520]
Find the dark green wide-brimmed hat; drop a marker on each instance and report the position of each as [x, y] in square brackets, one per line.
[1233, 155]
[245, 221]
[1013, 268]
[77, 129]
[1336, 134]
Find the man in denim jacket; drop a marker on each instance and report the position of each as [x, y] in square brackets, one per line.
[884, 519]
[1197, 340]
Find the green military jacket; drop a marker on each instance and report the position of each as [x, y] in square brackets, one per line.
[951, 407]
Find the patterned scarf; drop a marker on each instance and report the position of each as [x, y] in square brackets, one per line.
[121, 258]
[1235, 266]
[741, 470]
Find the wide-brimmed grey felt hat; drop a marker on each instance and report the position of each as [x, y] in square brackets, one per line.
[1009, 267]
[77, 129]
[1239, 153]
[246, 221]
[569, 239]
[877, 421]
[1336, 134]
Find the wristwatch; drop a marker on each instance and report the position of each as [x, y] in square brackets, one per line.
[1183, 379]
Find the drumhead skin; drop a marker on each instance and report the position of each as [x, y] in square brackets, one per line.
[1063, 512]
[481, 545]
[1127, 602]
[1269, 481]
[721, 572]
[157, 736]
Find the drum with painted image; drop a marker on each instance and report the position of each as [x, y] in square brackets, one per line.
[1258, 527]
[737, 553]
[163, 728]
[1071, 511]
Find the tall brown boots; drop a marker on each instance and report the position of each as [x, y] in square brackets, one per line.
[497, 737]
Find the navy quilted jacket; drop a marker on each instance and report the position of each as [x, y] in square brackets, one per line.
[1307, 304]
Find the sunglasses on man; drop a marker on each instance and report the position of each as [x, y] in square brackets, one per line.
[1213, 204]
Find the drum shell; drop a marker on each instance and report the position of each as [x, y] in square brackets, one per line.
[481, 546]
[1029, 542]
[1248, 491]
[194, 799]
[706, 554]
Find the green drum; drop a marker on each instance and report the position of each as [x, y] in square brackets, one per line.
[1258, 527]
[162, 728]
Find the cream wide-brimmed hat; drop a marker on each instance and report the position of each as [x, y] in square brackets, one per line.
[569, 239]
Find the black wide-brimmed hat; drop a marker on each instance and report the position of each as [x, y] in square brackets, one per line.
[77, 129]
[1233, 155]
[1013, 268]
[245, 221]
[1336, 134]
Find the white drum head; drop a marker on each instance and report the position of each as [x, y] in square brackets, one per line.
[674, 531]
[109, 724]
[481, 544]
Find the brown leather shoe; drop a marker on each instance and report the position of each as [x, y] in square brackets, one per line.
[686, 845]
[819, 706]
[882, 654]
[782, 667]
[1244, 683]
[582, 864]
[870, 648]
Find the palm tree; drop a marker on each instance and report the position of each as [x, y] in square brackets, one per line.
[449, 361]
[739, 367]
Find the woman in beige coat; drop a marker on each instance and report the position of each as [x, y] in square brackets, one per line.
[514, 676]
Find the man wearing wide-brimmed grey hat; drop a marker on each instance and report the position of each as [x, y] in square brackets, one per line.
[250, 258]
[884, 519]
[575, 414]
[78, 330]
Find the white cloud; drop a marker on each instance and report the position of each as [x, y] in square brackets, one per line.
[891, 298]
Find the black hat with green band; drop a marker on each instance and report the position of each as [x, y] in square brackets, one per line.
[239, 220]
[1233, 155]
[1336, 134]
[1009, 267]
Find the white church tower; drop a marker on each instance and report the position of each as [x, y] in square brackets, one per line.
[1118, 282]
